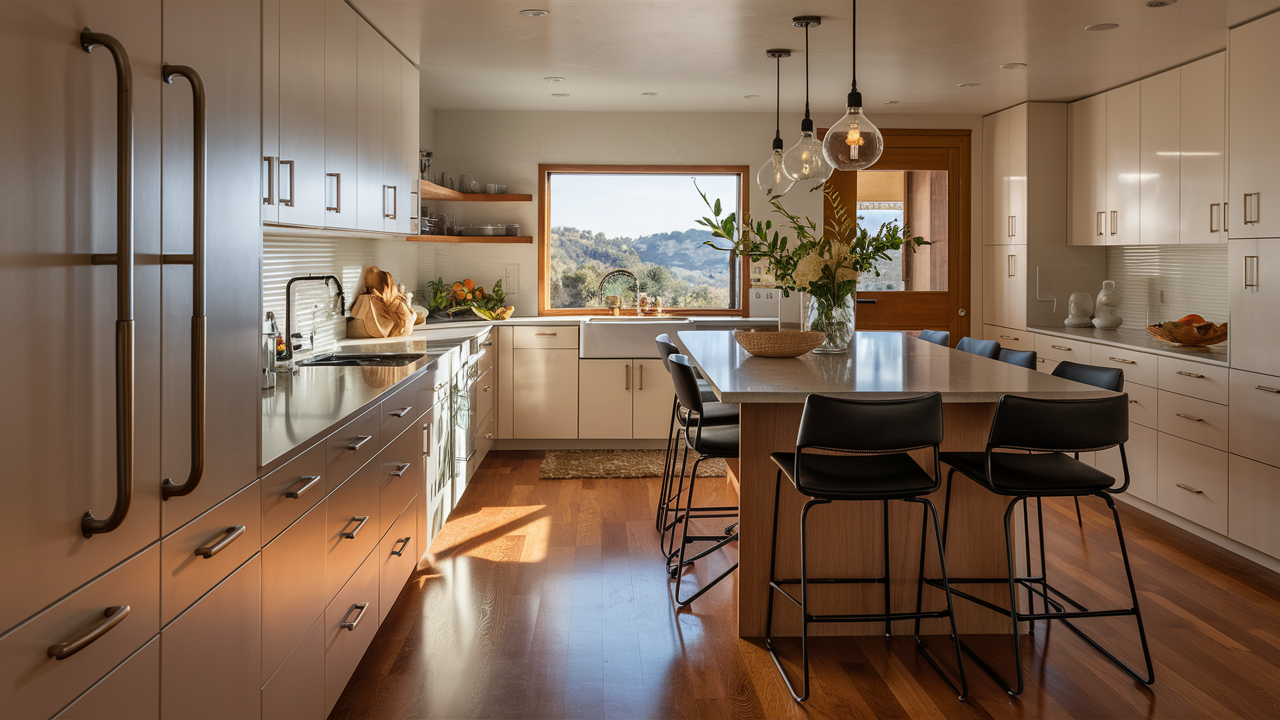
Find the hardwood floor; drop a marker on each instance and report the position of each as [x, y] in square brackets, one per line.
[549, 599]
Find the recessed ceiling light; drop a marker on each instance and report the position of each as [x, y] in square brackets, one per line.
[968, 85]
[1013, 66]
[750, 97]
[535, 13]
[1102, 26]
[890, 102]
[649, 93]
[1160, 3]
[553, 79]
[559, 94]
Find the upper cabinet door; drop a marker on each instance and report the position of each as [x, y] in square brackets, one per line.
[1159, 179]
[1253, 274]
[1124, 164]
[995, 157]
[1204, 147]
[393, 186]
[1016, 173]
[301, 167]
[369, 130]
[409, 152]
[1254, 197]
[270, 111]
[1087, 170]
[340, 110]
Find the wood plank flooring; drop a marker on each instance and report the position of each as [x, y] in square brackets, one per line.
[549, 599]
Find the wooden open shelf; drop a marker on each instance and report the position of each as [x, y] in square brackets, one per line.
[432, 191]
[471, 238]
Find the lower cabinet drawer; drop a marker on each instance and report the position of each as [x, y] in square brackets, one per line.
[1045, 365]
[350, 623]
[1056, 348]
[400, 465]
[351, 528]
[130, 692]
[1255, 416]
[1207, 382]
[291, 491]
[293, 589]
[486, 431]
[1255, 505]
[1143, 404]
[398, 555]
[212, 654]
[1193, 419]
[1143, 459]
[403, 407]
[208, 549]
[352, 446]
[34, 685]
[1138, 367]
[296, 691]
[1193, 482]
[1009, 339]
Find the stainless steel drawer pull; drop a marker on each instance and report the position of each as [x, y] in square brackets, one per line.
[1008, 337]
[232, 534]
[545, 334]
[1063, 348]
[309, 482]
[269, 179]
[1133, 402]
[400, 552]
[1252, 213]
[352, 625]
[1098, 223]
[1039, 359]
[336, 207]
[640, 380]
[1251, 271]
[401, 412]
[351, 534]
[487, 343]
[282, 164]
[1115, 222]
[488, 436]
[486, 388]
[1189, 417]
[1265, 388]
[1213, 217]
[1188, 488]
[111, 617]
[1122, 360]
[1184, 373]
[400, 468]
[360, 440]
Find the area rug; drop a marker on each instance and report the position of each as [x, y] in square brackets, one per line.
[609, 464]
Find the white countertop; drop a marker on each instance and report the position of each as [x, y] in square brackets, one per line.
[884, 365]
[1137, 338]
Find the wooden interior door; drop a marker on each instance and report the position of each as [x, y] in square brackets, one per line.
[931, 286]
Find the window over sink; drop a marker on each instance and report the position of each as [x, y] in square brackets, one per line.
[612, 235]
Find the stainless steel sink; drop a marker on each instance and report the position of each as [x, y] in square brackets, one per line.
[363, 360]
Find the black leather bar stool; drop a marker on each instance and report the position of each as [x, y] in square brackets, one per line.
[708, 441]
[1043, 434]
[982, 348]
[937, 337]
[715, 413]
[1102, 377]
[880, 432]
[1021, 358]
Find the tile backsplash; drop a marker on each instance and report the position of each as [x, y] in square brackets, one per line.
[1166, 282]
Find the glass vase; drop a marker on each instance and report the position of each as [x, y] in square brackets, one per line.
[833, 316]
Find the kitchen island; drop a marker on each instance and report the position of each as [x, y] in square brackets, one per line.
[845, 539]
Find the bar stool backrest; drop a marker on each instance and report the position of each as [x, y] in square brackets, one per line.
[686, 382]
[1103, 377]
[1021, 358]
[870, 426]
[937, 337]
[666, 349]
[1066, 426]
[982, 348]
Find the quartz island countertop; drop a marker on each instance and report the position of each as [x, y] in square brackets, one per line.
[881, 365]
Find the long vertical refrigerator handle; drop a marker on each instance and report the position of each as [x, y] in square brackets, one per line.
[199, 145]
[123, 260]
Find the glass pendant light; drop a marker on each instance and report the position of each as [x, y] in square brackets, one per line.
[805, 161]
[853, 143]
[772, 177]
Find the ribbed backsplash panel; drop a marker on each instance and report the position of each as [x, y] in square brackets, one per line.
[286, 256]
[1166, 282]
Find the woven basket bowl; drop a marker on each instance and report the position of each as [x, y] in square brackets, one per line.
[1188, 336]
[778, 344]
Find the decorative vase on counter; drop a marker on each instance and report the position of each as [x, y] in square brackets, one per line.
[835, 317]
[1079, 310]
[1106, 316]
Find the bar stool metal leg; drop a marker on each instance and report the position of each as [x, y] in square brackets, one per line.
[677, 571]
[667, 462]
[805, 618]
[931, 512]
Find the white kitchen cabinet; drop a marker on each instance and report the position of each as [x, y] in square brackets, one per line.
[1124, 164]
[545, 392]
[1008, 338]
[1197, 380]
[392, 140]
[1193, 419]
[130, 692]
[397, 556]
[293, 593]
[1193, 482]
[1142, 457]
[1203, 150]
[1254, 503]
[1159, 183]
[651, 402]
[1087, 170]
[1254, 99]
[1138, 367]
[1253, 272]
[1255, 416]
[340, 109]
[270, 111]
[409, 109]
[1057, 349]
[604, 399]
[1005, 191]
[350, 622]
[368, 178]
[296, 691]
[302, 113]
[1004, 285]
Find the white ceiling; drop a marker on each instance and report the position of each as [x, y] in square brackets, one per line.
[704, 55]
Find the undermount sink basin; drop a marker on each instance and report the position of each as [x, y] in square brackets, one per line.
[363, 360]
[625, 337]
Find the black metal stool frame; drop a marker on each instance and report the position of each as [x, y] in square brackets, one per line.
[690, 512]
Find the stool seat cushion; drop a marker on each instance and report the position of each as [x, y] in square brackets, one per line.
[857, 477]
[716, 414]
[717, 441]
[1037, 475]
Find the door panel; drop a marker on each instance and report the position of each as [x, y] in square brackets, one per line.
[1160, 182]
[1254, 98]
[393, 189]
[1203, 148]
[130, 692]
[1087, 170]
[1124, 164]
[369, 126]
[302, 113]
[651, 402]
[604, 398]
[340, 110]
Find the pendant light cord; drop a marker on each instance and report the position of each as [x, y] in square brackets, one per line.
[806, 71]
[777, 101]
[855, 97]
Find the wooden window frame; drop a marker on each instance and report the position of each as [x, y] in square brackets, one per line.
[544, 232]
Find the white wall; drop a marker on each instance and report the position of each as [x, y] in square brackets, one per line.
[507, 147]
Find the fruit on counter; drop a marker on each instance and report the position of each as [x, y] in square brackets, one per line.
[469, 284]
[501, 313]
[1191, 320]
[458, 297]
